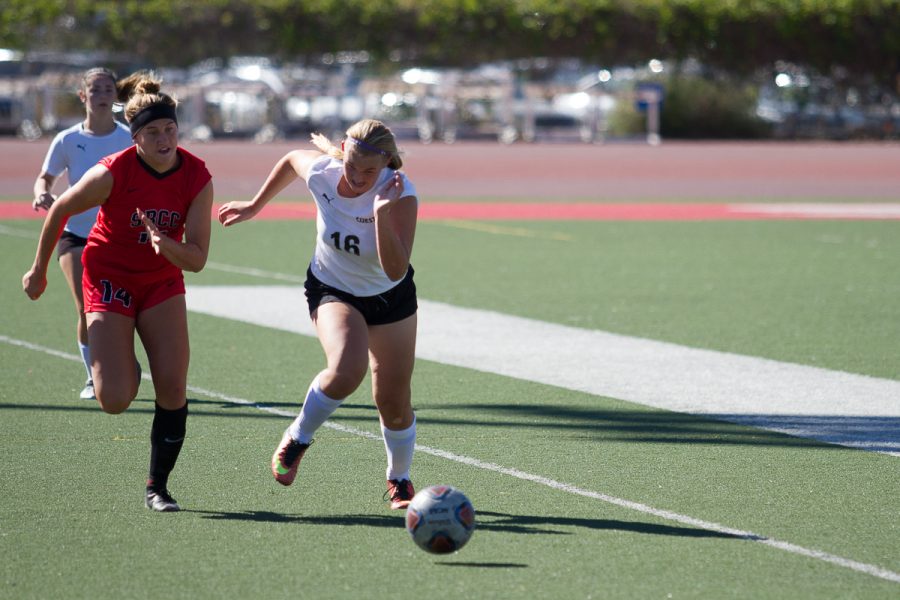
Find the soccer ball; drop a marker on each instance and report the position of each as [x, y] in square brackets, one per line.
[440, 519]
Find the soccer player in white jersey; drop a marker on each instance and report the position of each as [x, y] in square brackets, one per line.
[359, 288]
[74, 151]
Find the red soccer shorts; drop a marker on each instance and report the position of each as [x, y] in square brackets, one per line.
[126, 294]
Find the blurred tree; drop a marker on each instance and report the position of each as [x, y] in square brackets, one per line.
[859, 36]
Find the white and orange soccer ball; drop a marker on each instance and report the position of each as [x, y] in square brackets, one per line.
[440, 519]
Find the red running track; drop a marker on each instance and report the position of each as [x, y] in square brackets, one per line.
[509, 211]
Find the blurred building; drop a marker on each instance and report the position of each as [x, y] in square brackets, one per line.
[529, 100]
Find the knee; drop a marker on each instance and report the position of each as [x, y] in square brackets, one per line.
[340, 383]
[112, 406]
[396, 413]
[113, 402]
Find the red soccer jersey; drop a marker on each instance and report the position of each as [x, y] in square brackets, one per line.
[118, 240]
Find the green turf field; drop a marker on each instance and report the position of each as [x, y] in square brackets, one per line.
[821, 293]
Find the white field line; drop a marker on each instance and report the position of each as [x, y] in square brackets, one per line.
[667, 515]
[22, 233]
[802, 210]
[831, 406]
[253, 272]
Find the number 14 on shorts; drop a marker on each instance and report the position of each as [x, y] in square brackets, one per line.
[110, 294]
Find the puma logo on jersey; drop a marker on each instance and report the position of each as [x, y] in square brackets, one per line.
[82, 146]
[324, 195]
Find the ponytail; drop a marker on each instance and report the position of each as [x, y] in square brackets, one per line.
[140, 91]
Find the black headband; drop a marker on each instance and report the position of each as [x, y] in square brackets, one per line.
[157, 110]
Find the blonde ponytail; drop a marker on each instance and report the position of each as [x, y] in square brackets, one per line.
[324, 144]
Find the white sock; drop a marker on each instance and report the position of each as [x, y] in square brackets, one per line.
[86, 357]
[399, 446]
[316, 409]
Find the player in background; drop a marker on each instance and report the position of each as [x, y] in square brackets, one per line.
[154, 222]
[74, 151]
[359, 288]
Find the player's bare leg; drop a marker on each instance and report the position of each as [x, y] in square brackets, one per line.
[70, 264]
[111, 336]
[392, 351]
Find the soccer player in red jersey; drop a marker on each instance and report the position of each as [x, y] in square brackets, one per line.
[154, 222]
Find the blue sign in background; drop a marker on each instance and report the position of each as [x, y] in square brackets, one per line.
[643, 93]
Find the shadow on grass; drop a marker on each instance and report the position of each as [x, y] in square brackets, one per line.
[637, 425]
[622, 425]
[537, 524]
[262, 516]
[382, 521]
[487, 521]
[661, 426]
[482, 565]
[146, 406]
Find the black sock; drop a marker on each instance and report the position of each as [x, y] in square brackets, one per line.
[166, 439]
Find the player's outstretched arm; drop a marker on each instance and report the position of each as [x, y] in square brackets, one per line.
[292, 165]
[91, 190]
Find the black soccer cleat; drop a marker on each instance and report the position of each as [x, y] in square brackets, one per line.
[160, 501]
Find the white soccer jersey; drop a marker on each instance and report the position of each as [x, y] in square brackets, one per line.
[346, 256]
[75, 150]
